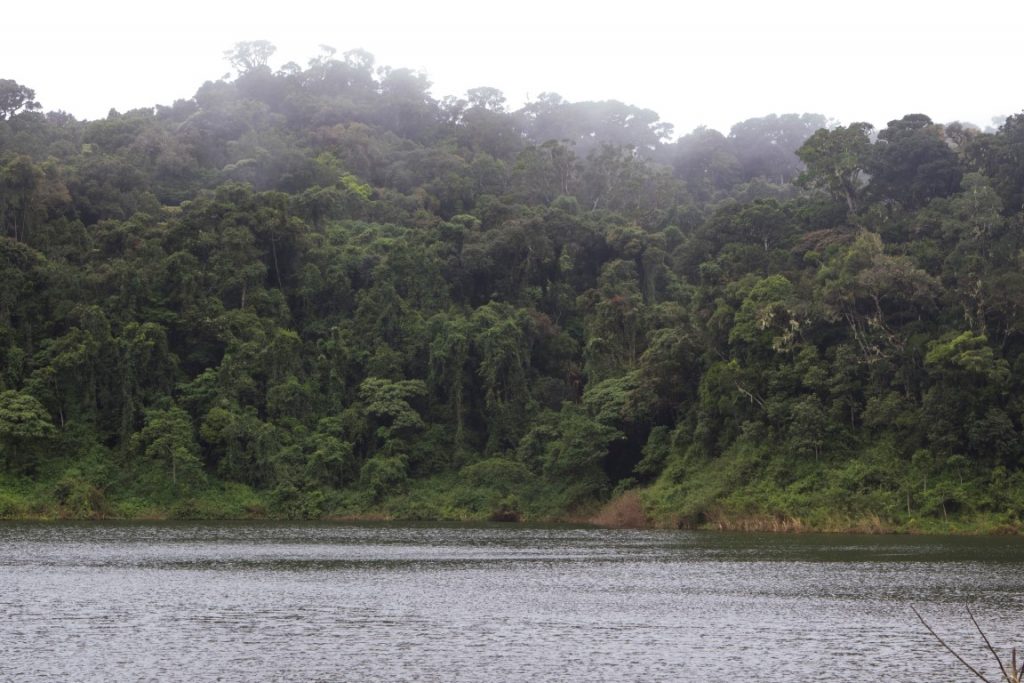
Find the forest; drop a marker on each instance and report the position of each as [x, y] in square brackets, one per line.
[321, 293]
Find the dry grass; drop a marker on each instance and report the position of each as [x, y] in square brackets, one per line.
[720, 521]
[759, 523]
[624, 512]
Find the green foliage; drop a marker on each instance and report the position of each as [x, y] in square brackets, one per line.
[837, 160]
[291, 503]
[320, 291]
[227, 501]
[25, 428]
[15, 97]
[14, 504]
[496, 473]
[574, 459]
[168, 438]
[913, 162]
[78, 497]
[765, 318]
[967, 353]
[383, 475]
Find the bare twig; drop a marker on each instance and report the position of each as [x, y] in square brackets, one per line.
[991, 649]
[951, 650]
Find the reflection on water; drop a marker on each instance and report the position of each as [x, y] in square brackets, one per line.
[188, 602]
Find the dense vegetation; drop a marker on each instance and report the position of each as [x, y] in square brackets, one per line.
[321, 292]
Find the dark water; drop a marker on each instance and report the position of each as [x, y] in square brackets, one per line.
[262, 602]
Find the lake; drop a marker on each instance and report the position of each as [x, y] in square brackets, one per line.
[332, 602]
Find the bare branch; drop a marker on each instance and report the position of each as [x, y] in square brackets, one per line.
[989, 645]
[951, 650]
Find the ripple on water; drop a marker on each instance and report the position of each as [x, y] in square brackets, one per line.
[328, 602]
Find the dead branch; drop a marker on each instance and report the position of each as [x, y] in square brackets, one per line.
[951, 650]
[990, 648]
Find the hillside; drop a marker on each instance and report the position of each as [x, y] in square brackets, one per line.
[322, 292]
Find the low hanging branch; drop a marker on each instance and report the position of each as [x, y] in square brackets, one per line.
[1014, 675]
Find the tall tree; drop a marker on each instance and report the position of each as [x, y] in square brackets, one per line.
[250, 55]
[837, 161]
[15, 97]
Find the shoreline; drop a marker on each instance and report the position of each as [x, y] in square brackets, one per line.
[724, 524]
[631, 509]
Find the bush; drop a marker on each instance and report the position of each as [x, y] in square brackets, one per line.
[288, 501]
[383, 476]
[79, 498]
[496, 473]
[12, 506]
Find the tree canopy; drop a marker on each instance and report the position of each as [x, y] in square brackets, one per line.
[322, 291]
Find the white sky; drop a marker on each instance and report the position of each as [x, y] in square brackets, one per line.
[715, 63]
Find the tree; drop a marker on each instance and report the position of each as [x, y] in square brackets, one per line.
[24, 426]
[487, 98]
[330, 459]
[243, 446]
[168, 438]
[15, 97]
[21, 208]
[1001, 158]
[502, 338]
[406, 106]
[615, 321]
[877, 294]
[591, 124]
[484, 125]
[969, 360]
[767, 318]
[249, 55]
[809, 427]
[706, 162]
[382, 475]
[543, 173]
[765, 146]
[837, 161]
[449, 372]
[912, 162]
[574, 458]
[388, 404]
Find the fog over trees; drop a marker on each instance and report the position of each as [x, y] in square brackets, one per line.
[321, 291]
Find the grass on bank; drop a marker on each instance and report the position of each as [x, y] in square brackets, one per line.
[746, 489]
[751, 489]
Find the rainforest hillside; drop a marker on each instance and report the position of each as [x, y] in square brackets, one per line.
[320, 291]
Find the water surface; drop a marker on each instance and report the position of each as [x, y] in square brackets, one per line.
[320, 602]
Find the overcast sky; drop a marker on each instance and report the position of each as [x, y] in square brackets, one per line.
[713, 63]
